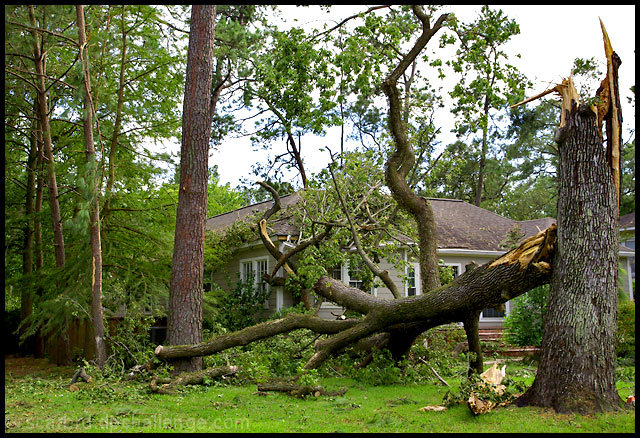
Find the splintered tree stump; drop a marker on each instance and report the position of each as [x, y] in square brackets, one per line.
[190, 378]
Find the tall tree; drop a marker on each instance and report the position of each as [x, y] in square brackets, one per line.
[486, 83]
[184, 322]
[39, 57]
[92, 173]
[577, 368]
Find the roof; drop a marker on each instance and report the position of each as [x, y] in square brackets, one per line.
[459, 224]
[628, 221]
[464, 226]
[280, 226]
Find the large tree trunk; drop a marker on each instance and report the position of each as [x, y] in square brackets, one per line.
[577, 367]
[100, 355]
[577, 371]
[184, 322]
[39, 56]
[26, 298]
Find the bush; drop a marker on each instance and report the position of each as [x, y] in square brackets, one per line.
[129, 344]
[240, 307]
[523, 325]
[626, 333]
[382, 370]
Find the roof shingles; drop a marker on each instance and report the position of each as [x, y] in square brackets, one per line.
[459, 225]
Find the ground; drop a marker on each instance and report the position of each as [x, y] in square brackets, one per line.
[37, 399]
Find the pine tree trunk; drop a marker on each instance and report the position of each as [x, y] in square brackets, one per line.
[64, 356]
[578, 362]
[26, 299]
[100, 355]
[184, 322]
[43, 115]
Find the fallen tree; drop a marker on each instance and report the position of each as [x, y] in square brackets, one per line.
[395, 324]
[511, 275]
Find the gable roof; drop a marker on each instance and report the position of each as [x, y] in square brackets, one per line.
[459, 225]
[280, 226]
[462, 225]
[628, 221]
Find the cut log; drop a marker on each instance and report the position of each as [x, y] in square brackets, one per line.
[190, 378]
[297, 390]
[80, 375]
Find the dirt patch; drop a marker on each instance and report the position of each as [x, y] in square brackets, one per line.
[22, 366]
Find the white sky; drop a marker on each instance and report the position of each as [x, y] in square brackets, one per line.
[550, 38]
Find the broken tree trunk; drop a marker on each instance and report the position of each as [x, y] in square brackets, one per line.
[490, 284]
[578, 360]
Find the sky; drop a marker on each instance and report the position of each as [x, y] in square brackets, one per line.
[550, 38]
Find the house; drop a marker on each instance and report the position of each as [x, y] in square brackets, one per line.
[466, 234]
[628, 239]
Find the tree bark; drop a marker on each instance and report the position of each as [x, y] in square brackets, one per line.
[100, 354]
[577, 371]
[64, 356]
[473, 341]
[184, 322]
[578, 362]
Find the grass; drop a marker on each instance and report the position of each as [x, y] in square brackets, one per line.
[40, 401]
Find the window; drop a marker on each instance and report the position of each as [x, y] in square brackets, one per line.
[348, 275]
[411, 281]
[492, 313]
[336, 272]
[252, 272]
[355, 275]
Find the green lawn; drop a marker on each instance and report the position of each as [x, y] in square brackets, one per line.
[41, 402]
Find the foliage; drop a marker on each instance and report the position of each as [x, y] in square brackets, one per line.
[240, 307]
[523, 324]
[626, 333]
[381, 371]
[487, 86]
[129, 343]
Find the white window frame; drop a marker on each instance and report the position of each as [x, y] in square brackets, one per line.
[255, 263]
[416, 276]
[345, 278]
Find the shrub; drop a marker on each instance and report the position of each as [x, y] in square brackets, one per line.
[382, 370]
[626, 333]
[240, 307]
[524, 323]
